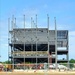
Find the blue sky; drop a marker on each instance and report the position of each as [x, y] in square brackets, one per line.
[63, 10]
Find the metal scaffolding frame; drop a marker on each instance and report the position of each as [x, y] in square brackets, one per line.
[48, 35]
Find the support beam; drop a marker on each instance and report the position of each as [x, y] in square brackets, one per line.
[8, 37]
[13, 38]
[48, 38]
[68, 65]
[55, 42]
[36, 42]
[24, 42]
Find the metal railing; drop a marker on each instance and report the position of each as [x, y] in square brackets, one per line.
[30, 53]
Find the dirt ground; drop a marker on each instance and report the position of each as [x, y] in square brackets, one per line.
[35, 73]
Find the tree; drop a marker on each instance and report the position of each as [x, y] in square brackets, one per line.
[72, 61]
[7, 62]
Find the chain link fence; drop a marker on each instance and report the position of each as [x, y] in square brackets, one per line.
[40, 66]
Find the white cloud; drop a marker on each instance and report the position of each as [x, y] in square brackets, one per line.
[72, 44]
[4, 45]
[72, 33]
[72, 37]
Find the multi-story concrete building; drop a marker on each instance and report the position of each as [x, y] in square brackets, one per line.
[38, 45]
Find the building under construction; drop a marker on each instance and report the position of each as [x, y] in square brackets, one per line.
[38, 45]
